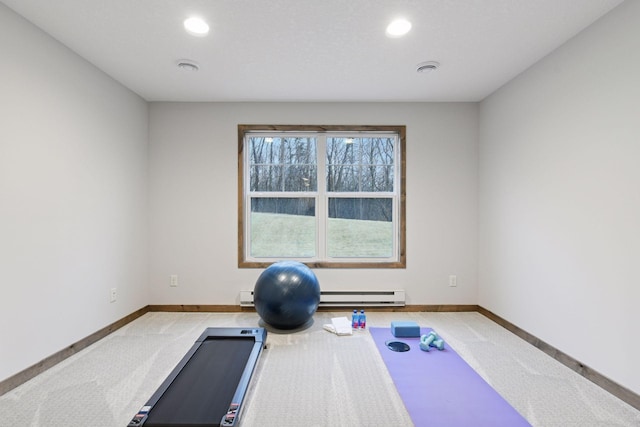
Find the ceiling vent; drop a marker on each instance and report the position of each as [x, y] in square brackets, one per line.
[187, 65]
[427, 67]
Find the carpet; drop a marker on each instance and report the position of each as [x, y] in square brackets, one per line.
[439, 388]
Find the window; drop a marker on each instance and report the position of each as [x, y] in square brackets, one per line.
[328, 196]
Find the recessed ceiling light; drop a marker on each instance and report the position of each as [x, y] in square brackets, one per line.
[196, 26]
[398, 28]
[427, 67]
[188, 65]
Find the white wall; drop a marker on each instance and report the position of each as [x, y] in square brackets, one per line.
[193, 198]
[559, 195]
[73, 197]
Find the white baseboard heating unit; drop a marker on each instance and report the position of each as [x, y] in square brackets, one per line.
[347, 298]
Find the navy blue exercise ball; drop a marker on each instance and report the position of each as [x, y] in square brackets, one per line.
[286, 294]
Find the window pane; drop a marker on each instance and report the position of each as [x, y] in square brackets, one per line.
[343, 151]
[360, 164]
[299, 150]
[360, 227]
[301, 178]
[264, 150]
[283, 227]
[377, 151]
[343, 178]
[343, 160]
[377, 178]
[266, 178]
[282, 164]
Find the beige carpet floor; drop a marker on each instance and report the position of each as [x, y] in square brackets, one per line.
[306, 378]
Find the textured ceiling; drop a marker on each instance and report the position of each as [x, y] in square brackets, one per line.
[308, 50]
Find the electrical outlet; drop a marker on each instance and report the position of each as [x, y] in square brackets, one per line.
[453, 281]
[173, 280]
[113, 295]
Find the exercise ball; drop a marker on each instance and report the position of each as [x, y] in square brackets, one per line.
[286, 294]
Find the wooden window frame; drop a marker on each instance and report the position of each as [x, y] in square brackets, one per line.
[243, 129]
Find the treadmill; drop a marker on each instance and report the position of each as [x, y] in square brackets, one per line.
[208, 386]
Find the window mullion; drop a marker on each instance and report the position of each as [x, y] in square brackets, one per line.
[321, 197]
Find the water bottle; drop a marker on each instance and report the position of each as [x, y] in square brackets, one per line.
[355, 319]
[362, 320]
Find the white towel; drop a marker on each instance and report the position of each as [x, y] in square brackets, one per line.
[340, 326]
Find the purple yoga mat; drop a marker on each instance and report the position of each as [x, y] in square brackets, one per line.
[438, 388]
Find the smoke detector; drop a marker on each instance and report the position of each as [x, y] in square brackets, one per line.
[427, 67]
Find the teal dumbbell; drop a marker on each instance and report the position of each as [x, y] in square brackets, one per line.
[431, 340]
[439, 344]
[427, 340]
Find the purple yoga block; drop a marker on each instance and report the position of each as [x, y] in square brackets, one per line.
[405, 329]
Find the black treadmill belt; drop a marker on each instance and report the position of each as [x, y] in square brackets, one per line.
[201, 393]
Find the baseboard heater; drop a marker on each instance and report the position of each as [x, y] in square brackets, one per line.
[393, 298]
